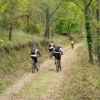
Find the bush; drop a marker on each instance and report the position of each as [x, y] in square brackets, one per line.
[32, 29]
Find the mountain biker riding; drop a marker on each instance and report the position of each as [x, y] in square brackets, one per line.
[57, 53]
[34, 53]
[72, 44]
[51, 47]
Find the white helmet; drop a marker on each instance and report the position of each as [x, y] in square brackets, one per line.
[59, 45]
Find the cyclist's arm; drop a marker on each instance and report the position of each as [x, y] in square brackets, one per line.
[61, 53]
[39, 53]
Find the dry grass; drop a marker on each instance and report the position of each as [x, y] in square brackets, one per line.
[83, 82]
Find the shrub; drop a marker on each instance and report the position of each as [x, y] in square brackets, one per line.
[32, 29]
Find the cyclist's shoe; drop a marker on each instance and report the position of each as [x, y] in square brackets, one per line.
[33, 64]
[60, 67]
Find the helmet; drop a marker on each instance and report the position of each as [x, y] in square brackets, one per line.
[59, 45]
[35, 46]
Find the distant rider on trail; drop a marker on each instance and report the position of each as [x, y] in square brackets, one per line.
[72, 44]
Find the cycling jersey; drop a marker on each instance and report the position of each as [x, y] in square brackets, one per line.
[58, 51]
[51, 46]
[35, 54]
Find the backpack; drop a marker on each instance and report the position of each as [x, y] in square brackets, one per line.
[57, 49]
[33, 51]
[50, 45]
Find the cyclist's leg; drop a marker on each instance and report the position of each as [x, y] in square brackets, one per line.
[36, 64]
[59, 58]
[50, 53]
[72, 46]
[55, 55]
[33, 60]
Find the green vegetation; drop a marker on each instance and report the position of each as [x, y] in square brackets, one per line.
[38, 85]
[83, 82]
[27, 22]
[15, 59]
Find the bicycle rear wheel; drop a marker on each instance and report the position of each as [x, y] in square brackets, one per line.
[38, 65]
[72, 46]
[57, 66]
[33, 68]
[51, 55]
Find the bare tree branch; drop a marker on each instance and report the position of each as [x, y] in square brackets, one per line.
[76, 2]
[50, 16]
[88, 4]
[56, 18]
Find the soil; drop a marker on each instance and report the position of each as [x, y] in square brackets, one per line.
[52, 92]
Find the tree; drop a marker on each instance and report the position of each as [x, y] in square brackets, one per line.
[70, 22]
[86, 5]
[98, 30]
[50, 9]
[46, 8]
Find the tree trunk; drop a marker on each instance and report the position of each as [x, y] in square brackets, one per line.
[89, 35]
[10, 33]
[27, 24]
[46, 34]
[10, 16]
[98, 32]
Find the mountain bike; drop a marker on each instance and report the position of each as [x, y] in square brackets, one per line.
[51, 55]
[58, 67]
[34, 68]
[72, 46]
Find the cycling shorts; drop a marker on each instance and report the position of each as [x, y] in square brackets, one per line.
[50, 50]
[57, 56]
[35, 59]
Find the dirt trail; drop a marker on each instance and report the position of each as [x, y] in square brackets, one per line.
[52, 92]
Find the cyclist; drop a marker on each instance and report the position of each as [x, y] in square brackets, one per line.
[72, 44]
[51, 48]
[57, 53]
[34, 53]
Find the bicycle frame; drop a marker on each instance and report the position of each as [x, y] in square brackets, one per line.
[72, 46]
[51, 55]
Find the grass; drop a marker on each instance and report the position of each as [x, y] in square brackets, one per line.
[17, 62]
[38, 85]
[84, 80]
[18, 37]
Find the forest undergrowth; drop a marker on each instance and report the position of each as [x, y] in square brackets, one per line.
[83, 80]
